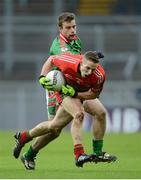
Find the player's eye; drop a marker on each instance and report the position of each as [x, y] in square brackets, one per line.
[88, 68]
[68, 27]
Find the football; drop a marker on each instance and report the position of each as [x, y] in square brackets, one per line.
[57, 79]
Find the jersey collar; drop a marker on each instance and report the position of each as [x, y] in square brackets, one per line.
[65, 39]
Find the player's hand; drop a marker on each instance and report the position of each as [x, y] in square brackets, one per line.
[68, 91]
[45, 82]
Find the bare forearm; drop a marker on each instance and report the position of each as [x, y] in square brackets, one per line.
[87, 95]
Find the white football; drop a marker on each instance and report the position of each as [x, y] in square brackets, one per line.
[57, 79]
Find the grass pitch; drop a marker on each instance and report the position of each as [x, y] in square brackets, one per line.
[57, 161]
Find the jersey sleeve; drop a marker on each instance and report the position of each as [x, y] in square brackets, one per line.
[98, 86]
[56, 62]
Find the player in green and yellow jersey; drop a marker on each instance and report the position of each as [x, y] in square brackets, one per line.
[66, 41]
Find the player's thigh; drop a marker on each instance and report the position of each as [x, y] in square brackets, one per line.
[61, 119]
[94, 107]
[73, 106]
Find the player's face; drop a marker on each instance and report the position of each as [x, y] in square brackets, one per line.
[87, 68]
[68, 29]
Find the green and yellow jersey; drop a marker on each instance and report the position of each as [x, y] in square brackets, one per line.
[62, 45]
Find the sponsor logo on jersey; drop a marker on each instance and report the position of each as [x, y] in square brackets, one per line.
[64, 49]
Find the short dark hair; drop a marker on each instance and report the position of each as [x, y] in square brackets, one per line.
[92, 56]
[65, 17]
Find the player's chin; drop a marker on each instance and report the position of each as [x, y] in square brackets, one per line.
[71, 37]
[84, 75]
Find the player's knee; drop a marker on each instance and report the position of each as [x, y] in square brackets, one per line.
[56, 132]
[79, 117]
[102, 115]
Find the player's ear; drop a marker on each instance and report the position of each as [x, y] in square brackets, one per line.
[60, 28]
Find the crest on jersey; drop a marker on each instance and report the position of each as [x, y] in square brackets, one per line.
[64, 49]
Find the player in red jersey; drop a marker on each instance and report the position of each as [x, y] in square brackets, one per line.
[85, 78]
[81, 79]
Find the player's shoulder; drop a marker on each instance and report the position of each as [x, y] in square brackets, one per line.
[51, 57]
[70, 55]
[78, 40]
[100, 69]
[55, 42]
[56, 39]
[68, 58]
[100, 73]
[55, 47]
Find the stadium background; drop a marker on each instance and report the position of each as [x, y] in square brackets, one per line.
[27, 28]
